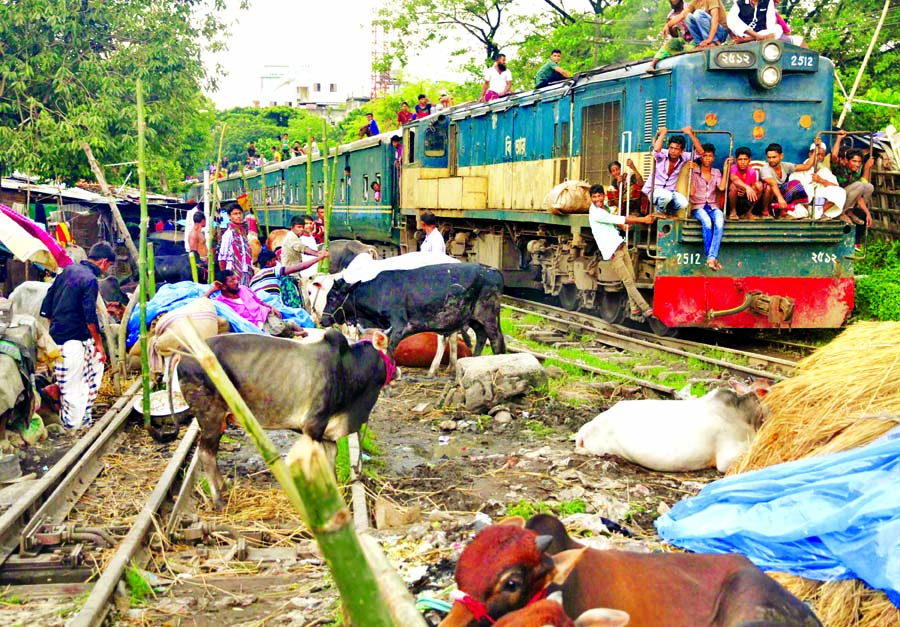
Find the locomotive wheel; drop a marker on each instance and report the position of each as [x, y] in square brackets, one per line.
[569, 298]
[659, 328]
[612, 307]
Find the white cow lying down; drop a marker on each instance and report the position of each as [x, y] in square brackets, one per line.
[678, 435]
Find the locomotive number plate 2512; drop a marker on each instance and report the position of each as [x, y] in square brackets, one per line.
[735, 59]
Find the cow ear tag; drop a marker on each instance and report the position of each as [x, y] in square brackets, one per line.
[515, 521]
[564, 563]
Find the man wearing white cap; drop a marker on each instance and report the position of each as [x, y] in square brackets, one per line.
[826, 195]
[443, 103]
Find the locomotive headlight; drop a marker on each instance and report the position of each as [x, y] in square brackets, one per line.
[771, 52]
[770, 76]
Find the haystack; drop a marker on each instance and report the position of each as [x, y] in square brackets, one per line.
[845, 395]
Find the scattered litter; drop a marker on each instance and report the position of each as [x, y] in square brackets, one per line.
[443, 440]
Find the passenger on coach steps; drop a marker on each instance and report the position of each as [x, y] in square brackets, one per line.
[661, 187]
[706, 182]
[612, 246]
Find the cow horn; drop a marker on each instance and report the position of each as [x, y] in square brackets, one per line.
[543, 542]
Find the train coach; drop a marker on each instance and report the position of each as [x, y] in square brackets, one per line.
[485, 168]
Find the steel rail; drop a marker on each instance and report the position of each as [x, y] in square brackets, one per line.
[644, 383]
[61, 487]
[613, 336]
[96, 607]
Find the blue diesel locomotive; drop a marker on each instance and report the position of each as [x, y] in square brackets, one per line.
[485, 168]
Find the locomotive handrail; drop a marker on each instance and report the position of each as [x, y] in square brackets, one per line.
[871, 155]
[626, 135]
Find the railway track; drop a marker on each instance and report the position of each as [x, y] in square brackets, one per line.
[52, 540]
[631, 341]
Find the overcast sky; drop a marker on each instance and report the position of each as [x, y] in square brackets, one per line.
[332, 37]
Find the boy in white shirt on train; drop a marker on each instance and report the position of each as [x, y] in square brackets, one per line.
[612, 246]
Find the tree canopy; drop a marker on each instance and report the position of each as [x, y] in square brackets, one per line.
[68, 78]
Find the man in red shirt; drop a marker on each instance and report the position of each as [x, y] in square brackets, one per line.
[746, 187]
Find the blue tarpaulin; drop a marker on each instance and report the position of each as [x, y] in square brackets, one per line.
[174, 295]
[824, 518]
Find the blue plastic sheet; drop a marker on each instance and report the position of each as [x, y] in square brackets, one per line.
[174, 295]
[824, 518]
[290, 314]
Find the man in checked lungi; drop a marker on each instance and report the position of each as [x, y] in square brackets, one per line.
[71, 307]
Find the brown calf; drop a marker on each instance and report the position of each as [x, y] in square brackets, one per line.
[506, 566]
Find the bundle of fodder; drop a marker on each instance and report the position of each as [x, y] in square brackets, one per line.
[843, 396]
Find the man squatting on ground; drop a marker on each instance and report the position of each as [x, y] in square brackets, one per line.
[71, 307]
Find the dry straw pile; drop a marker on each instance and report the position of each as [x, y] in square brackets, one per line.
[845, 395]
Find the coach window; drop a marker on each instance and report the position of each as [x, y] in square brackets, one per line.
[343, 190]
[377, 190]
[366, 188]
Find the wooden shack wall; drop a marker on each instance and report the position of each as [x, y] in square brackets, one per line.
[886, 205]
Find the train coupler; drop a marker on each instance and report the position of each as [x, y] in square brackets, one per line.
[778, 309]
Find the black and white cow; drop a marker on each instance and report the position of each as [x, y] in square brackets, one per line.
[321, 386]
[443, 298]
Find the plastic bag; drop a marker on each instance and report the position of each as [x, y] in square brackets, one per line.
[824, 518]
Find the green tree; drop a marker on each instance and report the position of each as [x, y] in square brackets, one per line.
[67, 78]
[841, 30]
[611, 32]
[416, 24]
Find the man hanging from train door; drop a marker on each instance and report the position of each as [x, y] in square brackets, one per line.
[612, 246]
[660, 188]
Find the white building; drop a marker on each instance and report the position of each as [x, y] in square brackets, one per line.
[299, 86]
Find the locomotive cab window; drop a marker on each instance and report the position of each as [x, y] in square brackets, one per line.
[435, 140]
[409, 147]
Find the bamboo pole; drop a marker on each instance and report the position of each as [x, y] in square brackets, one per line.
[211, 269]
[848, 104]
[265, 194]
[151, 271]
[113, 207]
[142, 256]
[370, 593]
[309, 185]
[326, 202]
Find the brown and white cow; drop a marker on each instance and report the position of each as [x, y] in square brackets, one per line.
[322, 386]
[506, 566]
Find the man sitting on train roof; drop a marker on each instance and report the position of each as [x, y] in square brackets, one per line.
[661, 186]
[746, 187]
[780, 192]
[704, 19]
[755, 20]
[497, 80]
[550, 72]
[612, 246]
